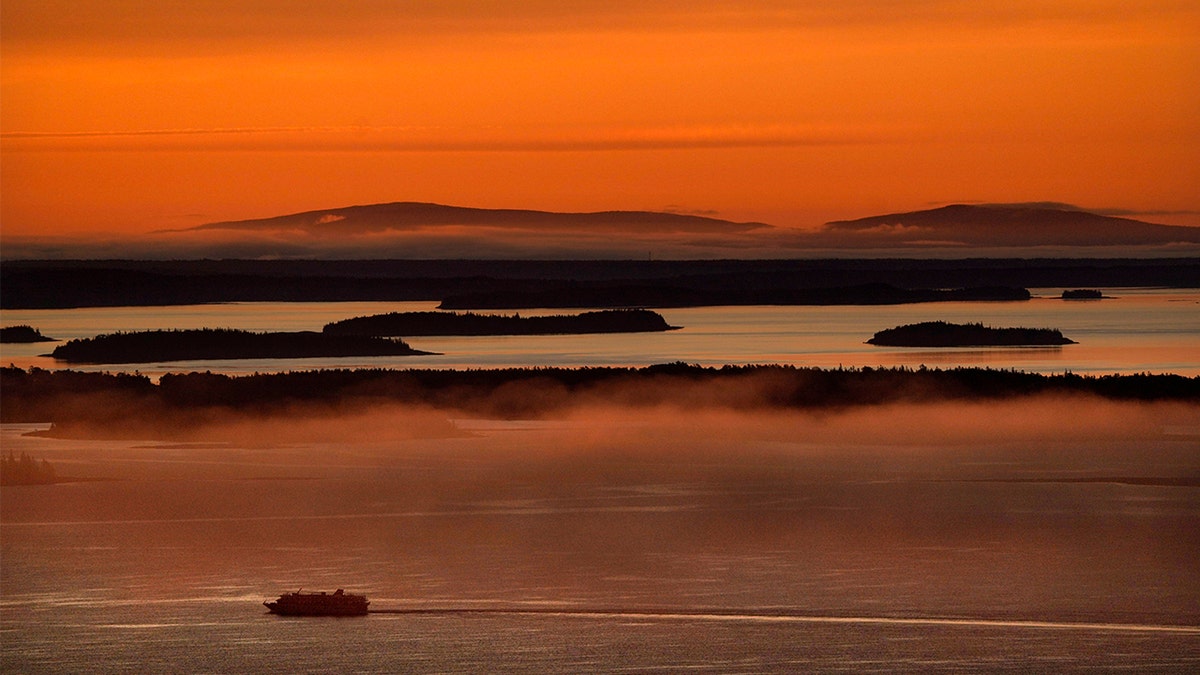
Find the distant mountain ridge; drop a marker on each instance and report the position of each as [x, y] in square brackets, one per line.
[955, 225]
[1037, 224]
[402, 216]
[423, 230]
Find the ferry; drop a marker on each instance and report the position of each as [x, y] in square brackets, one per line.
[337, 603]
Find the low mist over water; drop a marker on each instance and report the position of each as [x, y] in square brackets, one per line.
[959, 526]
[669, 520]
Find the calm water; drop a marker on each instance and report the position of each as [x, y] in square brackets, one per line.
[1138, 330]
[999, 538]
[708, 543]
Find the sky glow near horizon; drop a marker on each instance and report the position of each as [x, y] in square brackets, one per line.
[122, 118]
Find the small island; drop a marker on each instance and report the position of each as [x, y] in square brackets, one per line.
[943, 334]
[22, 334]
[1082, 294]
[209, 343]
[470, 323]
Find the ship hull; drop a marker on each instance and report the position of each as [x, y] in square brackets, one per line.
[274, 608]
[339, 603]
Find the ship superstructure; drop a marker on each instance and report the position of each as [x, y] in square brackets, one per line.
[338, 603]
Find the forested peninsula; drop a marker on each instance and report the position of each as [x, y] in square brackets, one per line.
[943, 334]
[130, 406]
[219, 343]
[469, 323]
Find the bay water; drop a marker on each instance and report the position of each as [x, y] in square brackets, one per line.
[1134, 330]
[1036, 536]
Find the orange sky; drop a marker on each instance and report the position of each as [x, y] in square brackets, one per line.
[123, 117]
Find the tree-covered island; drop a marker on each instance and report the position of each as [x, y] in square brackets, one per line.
[470, 323]
[943, 334]
[1082, 294]
[22, 334]
[211, 343]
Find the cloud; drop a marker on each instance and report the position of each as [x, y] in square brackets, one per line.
[894, 229]
[202, 25]
[454, 139]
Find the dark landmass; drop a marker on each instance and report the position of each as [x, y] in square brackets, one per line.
[207, 343]
[49, 284]
[942, 334]
[132, 406]
[25, 470]
[426, 231]
[1032, 224]
[22, 334]
[451, 323]
[438, 228]
[407, 216]
[978, 225]
[1082, 294]
[675, 296]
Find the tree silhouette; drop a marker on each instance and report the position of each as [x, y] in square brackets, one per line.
[25, 470]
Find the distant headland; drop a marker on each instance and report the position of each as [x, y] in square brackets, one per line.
[625, 295]
[209, 343]
[943, 334]
[589, 284]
